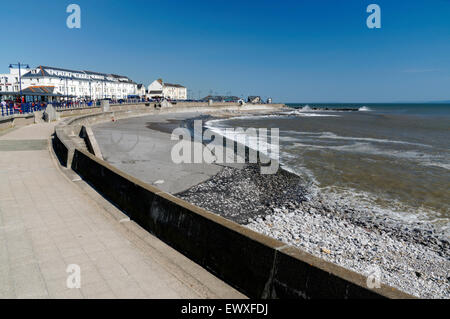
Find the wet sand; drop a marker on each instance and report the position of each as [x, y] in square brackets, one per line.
[142, 147]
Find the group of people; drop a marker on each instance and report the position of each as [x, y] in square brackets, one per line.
[20, 107]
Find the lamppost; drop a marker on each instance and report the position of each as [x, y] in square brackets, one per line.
[66, 88]
[90, 88]
[20, 65]
[90, 85]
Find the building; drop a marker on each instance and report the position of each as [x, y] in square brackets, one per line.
[68, 83]
[141, 90]
[159, 89]
[9, 83]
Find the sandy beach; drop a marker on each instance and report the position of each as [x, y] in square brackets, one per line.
[142, 147]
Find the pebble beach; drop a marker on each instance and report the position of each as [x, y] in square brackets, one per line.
[413, 258]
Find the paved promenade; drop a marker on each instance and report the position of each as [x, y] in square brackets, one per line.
[49, 219]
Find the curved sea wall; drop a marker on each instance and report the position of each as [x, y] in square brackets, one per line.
[257, 265]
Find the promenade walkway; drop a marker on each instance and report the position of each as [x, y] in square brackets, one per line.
[49, 220]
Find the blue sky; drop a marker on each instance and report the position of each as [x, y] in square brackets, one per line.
[293, 51]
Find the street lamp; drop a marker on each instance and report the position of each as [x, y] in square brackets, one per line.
[19, 65]
[90, 87]
[66, 88]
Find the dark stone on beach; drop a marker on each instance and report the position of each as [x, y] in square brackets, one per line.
[240, 194]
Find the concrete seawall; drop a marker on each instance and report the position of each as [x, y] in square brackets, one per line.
[257, 265]
[152, 105]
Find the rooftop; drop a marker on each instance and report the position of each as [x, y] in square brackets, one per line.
[174, 85]
[43, 72]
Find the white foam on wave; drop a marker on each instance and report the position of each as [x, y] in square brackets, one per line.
[306, 108]
[257, 143]
[328, 135]
[210, 124]
[420, 158]
[367, 201]
[360, 200]
[362, 145]
[332, 136]
[288, 139]
[357, 199]
[437, 164]
[247, 117]
[302, 113]
[292, 163]
[317, 115]
[365, 109]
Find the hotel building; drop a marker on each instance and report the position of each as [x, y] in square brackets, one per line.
[67, 83]
[159, 89]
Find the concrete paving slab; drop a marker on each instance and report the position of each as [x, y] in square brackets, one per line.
[48, 222]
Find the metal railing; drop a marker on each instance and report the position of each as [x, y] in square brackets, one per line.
[21, 108]
[31, 107]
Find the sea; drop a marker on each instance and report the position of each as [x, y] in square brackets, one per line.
[393, 159]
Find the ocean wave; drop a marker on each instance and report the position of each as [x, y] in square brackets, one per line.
[360, 200]
[367, 201]
[303, 113]
[437, 164]
[306, 108]
[288, 139]
[365, 109]
[328, 135]
[332, 136]
[258, 143]
[418, 157]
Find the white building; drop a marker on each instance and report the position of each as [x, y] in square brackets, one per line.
[167, 90]
[10, 82]
[70, 83]
[141, 91]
